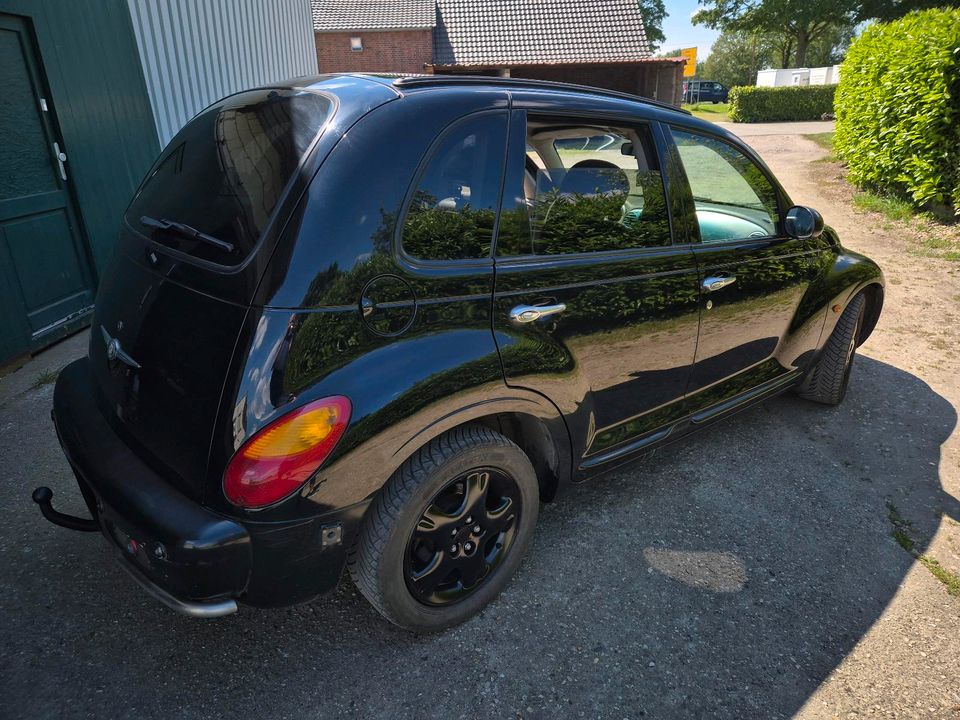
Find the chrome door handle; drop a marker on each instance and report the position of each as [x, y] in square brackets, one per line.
[716, 283]
[61, 159]
[529, 313]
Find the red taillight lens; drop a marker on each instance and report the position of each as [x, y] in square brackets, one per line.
[283, 455]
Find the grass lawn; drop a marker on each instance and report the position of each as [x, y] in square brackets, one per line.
[709, 111]
[824, 140]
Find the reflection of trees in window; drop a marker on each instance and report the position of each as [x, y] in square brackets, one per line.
[434, 232]
[453, 210]
[630, 215]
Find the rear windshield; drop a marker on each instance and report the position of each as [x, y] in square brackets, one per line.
[215, 186]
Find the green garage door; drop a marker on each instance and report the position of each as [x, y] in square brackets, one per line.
[45, 279]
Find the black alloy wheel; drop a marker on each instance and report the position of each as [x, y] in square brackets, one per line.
[462, 536]
[448, 530]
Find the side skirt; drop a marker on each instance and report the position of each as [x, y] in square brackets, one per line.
[618, 456]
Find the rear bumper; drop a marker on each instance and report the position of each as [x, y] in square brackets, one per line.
[196, 561]
[166, 539]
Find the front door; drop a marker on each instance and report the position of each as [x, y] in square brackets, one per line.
[45, 277]
[594, 307]
[754, 328]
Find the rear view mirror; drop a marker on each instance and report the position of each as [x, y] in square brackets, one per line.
[803, 222]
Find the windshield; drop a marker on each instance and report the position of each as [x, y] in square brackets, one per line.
[216, 185]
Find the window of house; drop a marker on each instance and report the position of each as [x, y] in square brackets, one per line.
[356, 44]
[453, 210]
[585, 189]
[732, 196]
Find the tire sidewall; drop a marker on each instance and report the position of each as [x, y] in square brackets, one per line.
[848, 364]
[400, 603]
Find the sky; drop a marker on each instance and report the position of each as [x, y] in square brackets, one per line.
[681, 33]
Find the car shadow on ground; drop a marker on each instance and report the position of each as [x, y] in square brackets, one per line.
[727, 576]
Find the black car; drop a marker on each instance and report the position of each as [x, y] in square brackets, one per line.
[705, 91]
[371, 323]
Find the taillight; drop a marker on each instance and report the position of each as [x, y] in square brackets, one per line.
[283, 455]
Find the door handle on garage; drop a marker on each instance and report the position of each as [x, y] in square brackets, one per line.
[716, 283]
[529, 313]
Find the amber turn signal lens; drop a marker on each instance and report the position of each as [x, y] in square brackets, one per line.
[278, 459]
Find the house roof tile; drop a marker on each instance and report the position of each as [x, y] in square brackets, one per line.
[518, 32]
[346, 15]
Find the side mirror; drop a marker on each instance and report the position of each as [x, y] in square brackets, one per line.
[803, 222]
[626, 148]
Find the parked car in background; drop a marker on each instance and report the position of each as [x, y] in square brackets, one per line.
[382, 349]
[704, 91]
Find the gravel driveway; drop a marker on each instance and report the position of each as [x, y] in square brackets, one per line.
[747, 572]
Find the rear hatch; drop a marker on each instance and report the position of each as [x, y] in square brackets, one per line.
[191, 251]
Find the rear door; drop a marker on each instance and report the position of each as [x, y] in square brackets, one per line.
[753, 277]
[45, 278]
[594, 307]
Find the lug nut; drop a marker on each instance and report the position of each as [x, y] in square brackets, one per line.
[453, 548]
[469, 519]
[453, 533]
[476, 529]
[468, 547]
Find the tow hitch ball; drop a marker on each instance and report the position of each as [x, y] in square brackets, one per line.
[42, 497]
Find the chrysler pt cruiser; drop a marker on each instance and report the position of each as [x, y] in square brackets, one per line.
[371, 323]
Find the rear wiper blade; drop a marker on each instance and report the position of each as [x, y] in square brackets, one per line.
[185, 231]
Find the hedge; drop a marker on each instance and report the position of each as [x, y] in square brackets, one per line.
[898, 108]
[775, 104]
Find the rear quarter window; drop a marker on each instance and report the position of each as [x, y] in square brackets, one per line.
[226, 171]
[453, 210]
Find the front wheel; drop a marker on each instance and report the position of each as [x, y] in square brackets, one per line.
[826, 382]
[448, 530]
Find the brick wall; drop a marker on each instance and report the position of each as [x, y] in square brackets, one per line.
[387, 51]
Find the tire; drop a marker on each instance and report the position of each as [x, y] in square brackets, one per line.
[400, 540]
[826, 382]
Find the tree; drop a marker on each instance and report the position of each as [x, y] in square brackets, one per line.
[886, 10]
[653, 13]
[799, 22]
[802, 22]
[736, 56]
[831, 47]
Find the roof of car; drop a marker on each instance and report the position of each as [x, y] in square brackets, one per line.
[405, 82]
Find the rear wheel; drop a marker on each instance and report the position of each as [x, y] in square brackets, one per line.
[448, 530]
[826, 382]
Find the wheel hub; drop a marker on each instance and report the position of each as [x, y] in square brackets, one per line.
[462, 536]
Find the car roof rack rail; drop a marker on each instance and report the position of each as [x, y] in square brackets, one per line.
[412, 81]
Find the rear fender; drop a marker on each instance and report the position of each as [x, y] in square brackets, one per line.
[404, 391]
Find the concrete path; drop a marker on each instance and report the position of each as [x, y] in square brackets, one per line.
[786, 128]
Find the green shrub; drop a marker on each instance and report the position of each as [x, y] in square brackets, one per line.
[776, 104]
[898, 108]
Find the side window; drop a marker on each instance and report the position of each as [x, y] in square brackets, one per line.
[732, 197]
[585, 189]
[453, 210]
